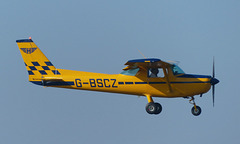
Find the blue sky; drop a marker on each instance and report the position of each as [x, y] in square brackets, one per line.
[100, 36]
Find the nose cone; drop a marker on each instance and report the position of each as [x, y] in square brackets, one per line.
[214, 81]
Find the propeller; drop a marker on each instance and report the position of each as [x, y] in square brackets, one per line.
[213, 81]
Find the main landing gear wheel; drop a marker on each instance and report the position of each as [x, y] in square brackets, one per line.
[153, 108]
[196, 111]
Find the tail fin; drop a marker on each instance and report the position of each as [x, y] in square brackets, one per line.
[37, 64]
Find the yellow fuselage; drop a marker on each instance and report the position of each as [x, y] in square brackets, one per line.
[140, 85]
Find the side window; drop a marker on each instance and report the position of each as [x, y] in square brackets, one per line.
[155, 73]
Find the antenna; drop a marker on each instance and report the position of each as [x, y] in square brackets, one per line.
[141, 53]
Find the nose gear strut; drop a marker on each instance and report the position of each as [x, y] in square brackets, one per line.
[196, 110]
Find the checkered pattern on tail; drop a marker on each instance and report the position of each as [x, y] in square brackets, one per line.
[46, 68]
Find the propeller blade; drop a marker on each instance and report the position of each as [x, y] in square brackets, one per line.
[213, 93]
[213, 87]
[213, 82]
[213, 75]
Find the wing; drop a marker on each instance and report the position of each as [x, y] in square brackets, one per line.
[146, 64]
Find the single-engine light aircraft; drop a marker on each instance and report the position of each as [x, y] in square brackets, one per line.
[149, 77]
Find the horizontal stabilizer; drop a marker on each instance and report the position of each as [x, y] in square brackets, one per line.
[52, 78]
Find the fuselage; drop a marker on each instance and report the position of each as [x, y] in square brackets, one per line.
[181, 85]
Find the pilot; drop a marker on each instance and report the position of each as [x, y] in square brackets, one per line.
[154, 72]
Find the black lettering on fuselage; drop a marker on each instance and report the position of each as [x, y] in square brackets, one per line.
[107, 83]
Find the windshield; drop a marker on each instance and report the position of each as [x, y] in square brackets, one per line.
[131, 72]
[176, 70]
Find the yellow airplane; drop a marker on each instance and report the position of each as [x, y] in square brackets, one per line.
[148, 77]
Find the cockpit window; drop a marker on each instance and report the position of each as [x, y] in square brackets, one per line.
[155, 73]
[176, 70]
[130, 72]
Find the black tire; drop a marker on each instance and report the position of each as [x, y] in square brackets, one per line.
[151, 108]
[196, 112]
[159, 108]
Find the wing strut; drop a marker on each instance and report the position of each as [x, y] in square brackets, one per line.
[167, 79]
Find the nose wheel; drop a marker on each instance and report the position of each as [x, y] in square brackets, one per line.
[196, 110]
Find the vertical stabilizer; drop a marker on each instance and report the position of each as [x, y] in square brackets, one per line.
[37, 64]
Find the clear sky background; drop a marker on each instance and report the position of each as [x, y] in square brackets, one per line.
[100, 36]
